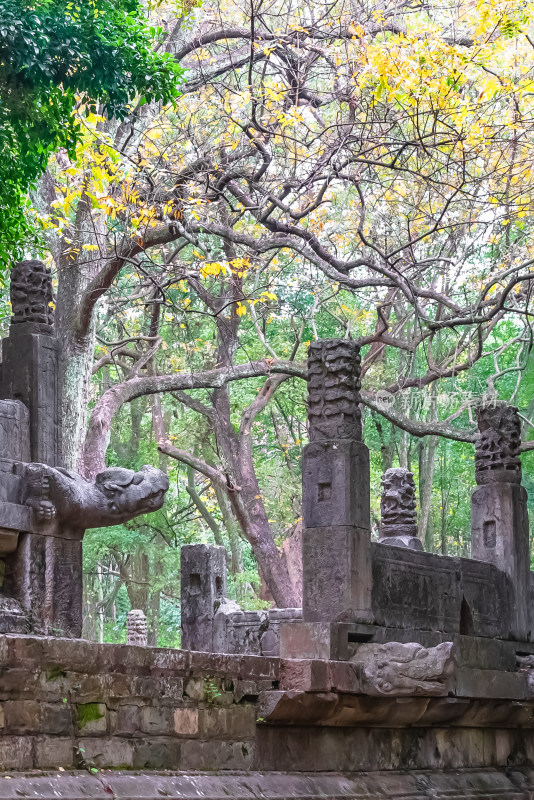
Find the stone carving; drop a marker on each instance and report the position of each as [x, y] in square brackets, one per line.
[250, 632]
[117, 495]
[397, 506]
[405, 669]
[31, 294]
[136, 632]
[31, 359]
[333, 390]
[14, 432]
[12, 616]
[497, 447]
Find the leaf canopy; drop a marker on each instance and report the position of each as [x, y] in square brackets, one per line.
[54, 56]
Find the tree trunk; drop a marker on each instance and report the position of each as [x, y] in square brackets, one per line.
[77, 364]
[232, 530]
[444, 503]
[89, 609]
[75, 271]
[100, 597]
[426, 474]
[153, 616]
[247, 503]
[137, 583]
[204, 513]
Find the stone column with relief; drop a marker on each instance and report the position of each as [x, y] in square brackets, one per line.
[335, 489]
[499, 519]
[44, 509]
[202, 590]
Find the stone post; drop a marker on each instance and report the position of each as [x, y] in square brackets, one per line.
[398, 524]
[203, 588]
[136, 631]
[499, 519]
[336, 544]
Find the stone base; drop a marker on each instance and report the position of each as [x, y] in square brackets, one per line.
[337, 579]
[484, 784]
[411, 542]
[262, 727]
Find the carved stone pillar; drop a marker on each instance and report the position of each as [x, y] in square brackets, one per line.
[398, 525]
[136, 630]
[31, 359]
[46, 570]
[499, 520]
[335, 489]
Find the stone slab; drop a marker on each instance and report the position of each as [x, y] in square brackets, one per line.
[327, 707]
[419, 785]
[30, 372]
[308, 640]
[489, 683]
[425, 591]
[347, 749]
[483, 653]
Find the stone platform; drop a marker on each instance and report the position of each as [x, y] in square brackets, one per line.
[80, 719]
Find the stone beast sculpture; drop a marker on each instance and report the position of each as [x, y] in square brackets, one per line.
[397, 505]
[405, 669]
[117, 495]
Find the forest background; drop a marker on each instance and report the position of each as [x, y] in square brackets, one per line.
[216, 185]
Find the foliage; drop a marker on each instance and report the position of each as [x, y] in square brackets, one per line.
[53, 57]
[320, 175]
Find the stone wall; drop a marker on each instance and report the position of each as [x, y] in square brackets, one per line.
[66, 703]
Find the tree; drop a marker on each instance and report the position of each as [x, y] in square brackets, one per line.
[329, 170]
[53, 56]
